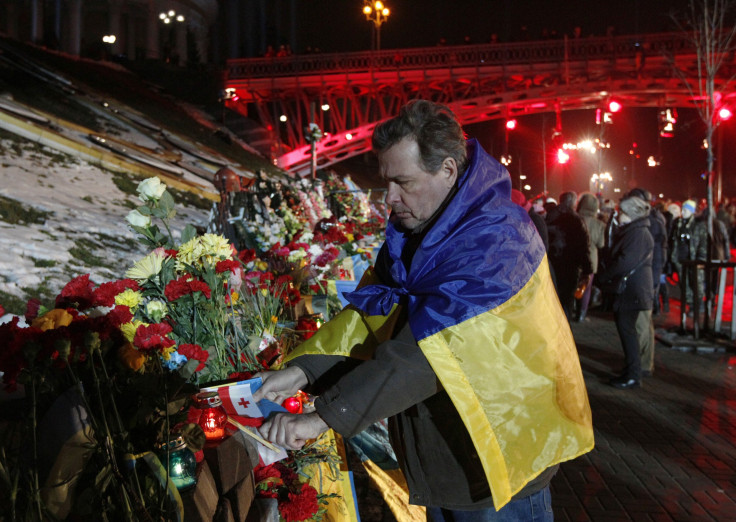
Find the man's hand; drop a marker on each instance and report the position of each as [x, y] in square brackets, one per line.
[292, 431]
[281, 384]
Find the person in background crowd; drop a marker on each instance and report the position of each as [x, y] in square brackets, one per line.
[669, 211]
[518, 197]
[549, 205]
[645, 322]
[445, 339]
[689, 242]
[631, 257]
[568, 250]
[720, 248]
[538, 206]
[588, 210]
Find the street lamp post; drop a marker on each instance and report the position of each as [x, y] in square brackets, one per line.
[375, 11]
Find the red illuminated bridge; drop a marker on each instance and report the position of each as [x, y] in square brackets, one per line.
[479, 82]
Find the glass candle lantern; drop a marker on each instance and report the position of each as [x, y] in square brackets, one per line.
[213, 417]
[180, 462]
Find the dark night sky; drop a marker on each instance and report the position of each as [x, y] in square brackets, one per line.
[418, 23]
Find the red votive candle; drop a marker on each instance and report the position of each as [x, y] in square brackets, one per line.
[213, 418]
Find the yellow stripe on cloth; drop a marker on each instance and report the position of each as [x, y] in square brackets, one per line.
[395, 492]
[514, 376]
[350, 333]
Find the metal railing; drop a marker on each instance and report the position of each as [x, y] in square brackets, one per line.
[443, 57]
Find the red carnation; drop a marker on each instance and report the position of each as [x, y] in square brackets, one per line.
[78, 293]
[247, 255]
[119, 315]
[226, 265]
[182, 286]
[306, 327]
[2, 310]
[194, 351]
[106, 292]
[334, 235]
[263, 472]
[153, 337]
[300, 506]
[32, 308]
[171, 252]
[327, 257]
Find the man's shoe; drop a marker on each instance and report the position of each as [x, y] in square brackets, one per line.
[624, 383]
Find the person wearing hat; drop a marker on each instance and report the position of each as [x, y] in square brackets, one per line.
[689, 242]
[630, 267]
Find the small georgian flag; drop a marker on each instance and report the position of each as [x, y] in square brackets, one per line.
[238, 400]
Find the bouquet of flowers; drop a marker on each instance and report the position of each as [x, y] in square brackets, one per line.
[110, 371]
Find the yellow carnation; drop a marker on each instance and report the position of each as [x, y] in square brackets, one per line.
[129, 329]
[129, 298]
[208, 248]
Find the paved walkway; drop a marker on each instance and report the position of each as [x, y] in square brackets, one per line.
[665, 451]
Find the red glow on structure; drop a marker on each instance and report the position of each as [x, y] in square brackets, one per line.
[510, 124]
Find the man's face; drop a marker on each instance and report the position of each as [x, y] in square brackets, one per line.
[413, 193]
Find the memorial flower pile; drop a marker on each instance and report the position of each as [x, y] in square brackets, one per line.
[109, 371]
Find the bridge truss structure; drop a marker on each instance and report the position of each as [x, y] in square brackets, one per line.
[478, 82]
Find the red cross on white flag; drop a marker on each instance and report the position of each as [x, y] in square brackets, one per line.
[238, 400]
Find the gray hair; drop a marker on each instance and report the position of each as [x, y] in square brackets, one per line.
[435, 129]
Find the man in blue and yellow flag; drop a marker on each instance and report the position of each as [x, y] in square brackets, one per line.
[457, 336]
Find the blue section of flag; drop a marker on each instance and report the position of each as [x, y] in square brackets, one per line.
[481, 251]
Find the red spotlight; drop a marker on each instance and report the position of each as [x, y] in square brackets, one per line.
[510, 124]
[614, 106]
[724, 114]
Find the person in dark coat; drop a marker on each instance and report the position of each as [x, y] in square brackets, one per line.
[568, 250]
[631, 255]
[689, 242]
[447, 380]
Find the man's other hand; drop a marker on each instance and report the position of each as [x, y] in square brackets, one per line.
[281, 384]
[292, 431]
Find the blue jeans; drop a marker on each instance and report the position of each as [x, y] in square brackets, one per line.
[534, 508]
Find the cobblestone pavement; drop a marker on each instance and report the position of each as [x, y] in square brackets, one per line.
[665, 451]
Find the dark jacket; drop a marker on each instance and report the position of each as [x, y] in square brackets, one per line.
[658, 229]
[688, 241]
[632, 249]
[568, 239]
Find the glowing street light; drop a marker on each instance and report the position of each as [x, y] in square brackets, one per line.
[375, 11]
[562, 156]
[725, 114]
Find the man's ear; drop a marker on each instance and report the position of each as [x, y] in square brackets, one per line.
[448, 171]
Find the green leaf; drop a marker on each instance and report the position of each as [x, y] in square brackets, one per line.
[166, 204]
[193, 435]
[188, 233]
[188, 369]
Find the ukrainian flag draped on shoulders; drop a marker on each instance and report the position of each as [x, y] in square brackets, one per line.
[484, 311]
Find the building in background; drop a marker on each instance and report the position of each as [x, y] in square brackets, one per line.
[176, 31]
